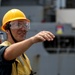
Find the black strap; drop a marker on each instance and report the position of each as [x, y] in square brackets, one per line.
[8, 27]
[12, 36]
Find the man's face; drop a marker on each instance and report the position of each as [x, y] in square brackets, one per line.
[19, 29]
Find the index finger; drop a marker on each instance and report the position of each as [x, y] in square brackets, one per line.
[51, 34]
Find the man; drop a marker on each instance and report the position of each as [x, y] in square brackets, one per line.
[13, 60]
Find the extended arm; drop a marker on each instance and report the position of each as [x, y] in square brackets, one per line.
[17, 49]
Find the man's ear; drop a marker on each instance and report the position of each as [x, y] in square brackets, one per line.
[7, 31]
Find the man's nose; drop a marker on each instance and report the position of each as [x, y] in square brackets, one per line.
[24, 28]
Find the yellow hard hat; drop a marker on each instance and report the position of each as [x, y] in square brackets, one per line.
[11, 15]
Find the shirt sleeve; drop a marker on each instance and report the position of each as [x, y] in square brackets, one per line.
[5, 66]
[2, 60]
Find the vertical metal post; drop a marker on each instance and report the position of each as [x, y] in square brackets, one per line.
[0, 2]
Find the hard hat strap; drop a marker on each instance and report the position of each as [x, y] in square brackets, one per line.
[11, 33]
